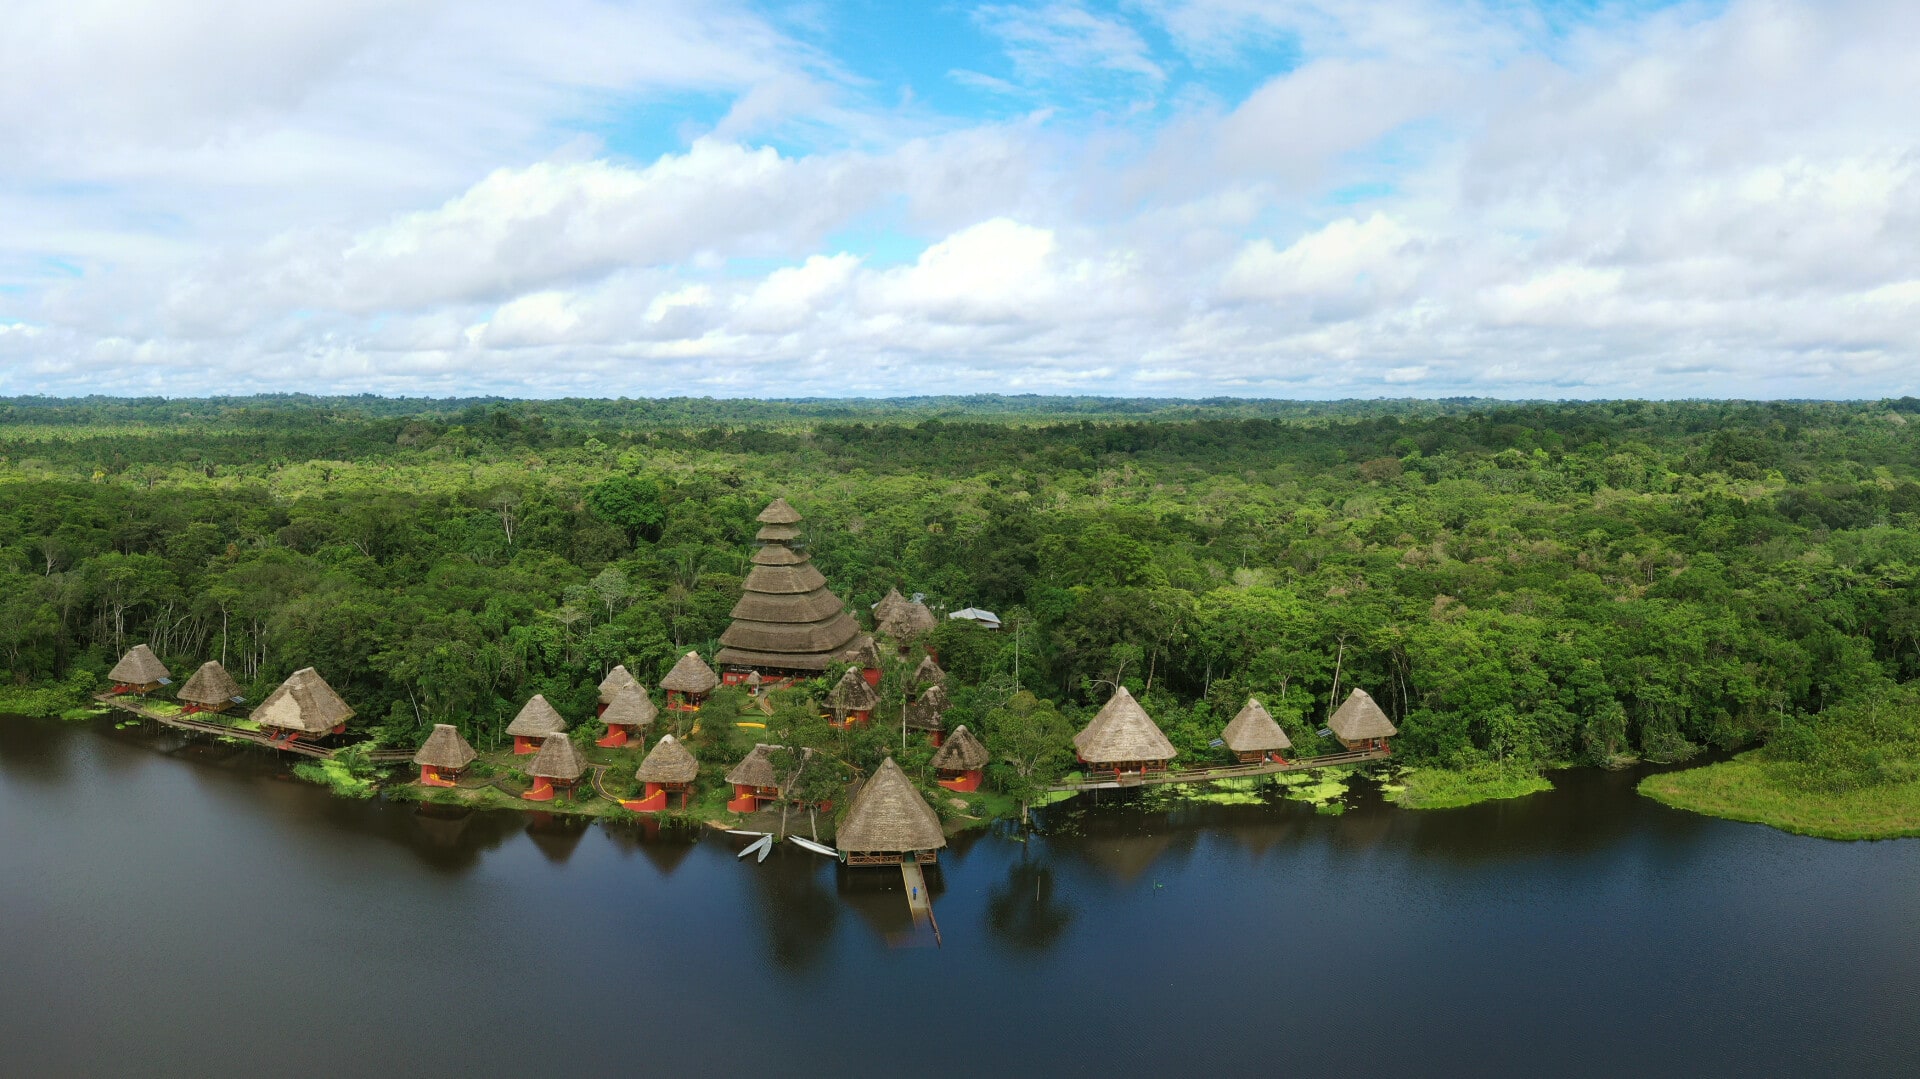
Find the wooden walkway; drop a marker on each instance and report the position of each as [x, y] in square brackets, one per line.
[1101, 781]
[202, 726]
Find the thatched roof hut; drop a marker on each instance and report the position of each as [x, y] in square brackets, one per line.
[928, 673]
[864, 653]
[631, 707]
[537, 719]
[1253, 730]
[668, 762]
[690, 675]
[756, 768]
[559, 759]
[139, 667]
[926, 712]
[961, 752]
[444, 748]
[1360, 719]
[779, 513]
[614, 681]
[210, 686]
[889, 816]
[888, 606]
[304, 703]
[852, 694]
[787, 619]
[910, 620]
[1122, 733]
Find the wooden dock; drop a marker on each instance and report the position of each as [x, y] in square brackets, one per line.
[223, 730]
[1100, 781]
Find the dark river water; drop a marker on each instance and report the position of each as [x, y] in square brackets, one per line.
[187, 910]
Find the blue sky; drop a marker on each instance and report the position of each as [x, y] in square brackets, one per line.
[1310, 198]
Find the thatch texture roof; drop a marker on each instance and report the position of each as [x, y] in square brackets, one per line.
[537, 719]
[138, 667]
[756, 768]
[816, 606]
[668, 762]
[631, 707]
[784, 580]
[961, 752]
[1253, 730]
[304, 702]
[690, 675]
[775, 554]
[863, 653]
[1359, 718]
[889, 815]
[211, 684]
[925, 713]
[777, 533]
[779, 513]
[558, 759]
[888, 606]
[1122, 731]
[908, 621]
[615, 679]
[444, 748]
[852, 693]
[816, 639]
[928, 673]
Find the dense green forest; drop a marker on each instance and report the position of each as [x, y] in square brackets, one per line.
[1523, 583]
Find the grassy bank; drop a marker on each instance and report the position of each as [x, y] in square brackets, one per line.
[1451, 788]
[1751, 788]
[69, 699]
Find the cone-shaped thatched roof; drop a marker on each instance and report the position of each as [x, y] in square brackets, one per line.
[631, 707]
[928, 673]
[889, 815]
[908, 621]
[138, 667]
[444, 748]
[1253, 730]
[558, 758]
[1360, 718]
[852, 693]
[961, 752]
[690, 675]
[211, 684]
[888, 606]
[864, 653]
[1122, 731]
[779, 513]
[615, 679]
[924, 714]
[537, 719]
[756, 768]
[304, 702]
[668, 762]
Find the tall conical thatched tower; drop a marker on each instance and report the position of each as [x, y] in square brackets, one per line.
[787, 623]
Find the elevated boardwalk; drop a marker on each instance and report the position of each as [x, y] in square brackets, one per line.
[202, 726]
[1101, 781]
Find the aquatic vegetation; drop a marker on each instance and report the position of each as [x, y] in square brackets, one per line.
[1450, 788]
[337, 777]
[1752, 788]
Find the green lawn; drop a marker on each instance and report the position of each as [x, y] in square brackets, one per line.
[1747, 788]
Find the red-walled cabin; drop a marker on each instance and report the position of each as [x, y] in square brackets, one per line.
[443, 757]
[688, 683]
[556, 768]
[536, 720]
[961, 761]
[668, 772]
[629, 715]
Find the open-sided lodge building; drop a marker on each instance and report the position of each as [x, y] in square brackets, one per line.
[961, 761]
[443, 756]
[1253, 735]
[630, 711]
[1123, 738]
[787, 624]
[616, 679]
[669, 770]
[536, 720]
[211, 689]
[688, 683]
[889, 822]
[304, 706]
[1359, 723]
[139, 671]
[851, 701]
[558, 766]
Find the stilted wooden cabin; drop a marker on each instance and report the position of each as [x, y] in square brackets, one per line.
[557, 767]
[630, 711]
[688, 683]
[304, 706]
[865, 655]
[669, 770]
[139, 672]
[615, 680]
[889, 823]
[754, 783]
[926, 675]
[1253, 735]
[1123, 738]
[536, 720]
[1360, 724]
[908, 623]
[443, 756]
[961, 762]
[211, 689]
[851, 701]
[928, 713]
[788, 624]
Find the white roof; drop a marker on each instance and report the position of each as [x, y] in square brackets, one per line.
[975, 614]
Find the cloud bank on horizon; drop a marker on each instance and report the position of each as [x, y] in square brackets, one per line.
[1282, 198]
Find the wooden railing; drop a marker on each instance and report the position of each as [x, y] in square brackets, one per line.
[1113, 780]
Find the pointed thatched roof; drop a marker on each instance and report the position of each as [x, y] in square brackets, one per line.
[779, 513]
[925, 713]
[211, 684]
[1253, 730]
[1360, 718]
[668, 762]
[777, 533]
[304, 702]
[889, 815]
[690, 675]
[558, 759]
[928, 673]
[444, 748]
[756, 768]
[864, 653]
[537, 719]
[888, 606]
[1122, 731]
[908, 621]
[612, 683]
[961, 752]
[787, 618]
[852, 693]
[138, 667]
[631, 707]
